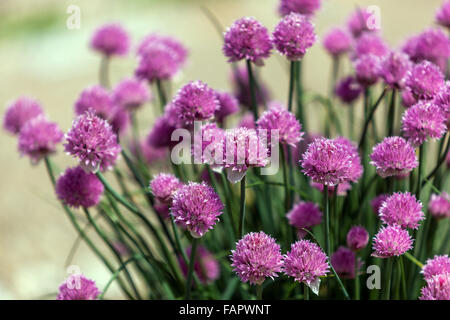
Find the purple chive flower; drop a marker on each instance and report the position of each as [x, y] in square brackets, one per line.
[443, 15]
[206, 267]
[78, 287]
[306, 262]
[343, 262]
[164, 185]
[76, 188]
[130, 94]
[97, 99]
[196, 207]
[279, 118]
[394, 69]
[391, 241]
[439, 205]
[356, 168]
[293, 36]
[357, 238]
[241, 88]
[422, 121]
[257, 256]
[425, 80]
[359, 22]
[195, 102]
[306, 7]
[247, 121]
[160, 134]
[150, 153]
[327, 162]
[304, 215]
[208, 145]
[370, 43]
[402, 209]
[432, 45]
[243, 148]
[120, 121]
[442, 100]
[111, 39]
[177, 49]
[247, 39]
[227, 106]
[367, 69]
[341, 190]
[408, 98]
[38, 138]
[394, 156]
[377, 202]
[337, 42]
[348, 90]
[92, 141]
[437, 288]
[20, 112]
[435, 266]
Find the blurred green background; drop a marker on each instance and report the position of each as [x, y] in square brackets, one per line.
[42, 58]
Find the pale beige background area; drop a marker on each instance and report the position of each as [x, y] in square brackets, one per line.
[54, 64]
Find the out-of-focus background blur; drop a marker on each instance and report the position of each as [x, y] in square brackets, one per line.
[42, 58]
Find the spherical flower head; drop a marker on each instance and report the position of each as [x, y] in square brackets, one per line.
[38, 138]
[304, 215]
[402, 209]
[77, 188]
[206, 267]
[394, 156]
[97, 99]
[130, 94]
[432, 45]
[305, 7]
[196, 207]
[78, 287]
[175, 47]
[356, 169]
[425, 80]
[359, 22]
[343, 262]
[443, 15]
[196, 101]
[279, 118]
[442, 100]
[370, 43]
[120, 121]
[367, 69]
[394, 69]
[439, 205]
[293, 36]
[20, 112]
[257, 256]
[357, 238]
[247, 39]
[337, 42]
[241, 88]
[160, 134]
[208, 145]
[306, 262]
[422, 121]
[164, 185]
[228, 105]
[244, 148]
[111, 39]
[391, 241]
[92, 141]
[437, 288]
[348, 90]
[408, 99]
[435, 266]
[342, 188]
[377, 202]
[327, 162]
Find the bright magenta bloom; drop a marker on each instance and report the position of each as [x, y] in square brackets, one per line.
[442, 100]
[293, 36]
[443, 15]
[356, 169]
[97, 99]
[247, 39]
[206, 266]
[247, 121]
[130, 94]
[437, 288]
[394, 156]
[425, 80]
[394, 69]
[164, 185]
[370, 43]
[20, 112]
[359, 22]
[173, 47]
[76, 188]
[357, 238]
[257, 257]
[402, 209]
[304, 215]
[422, 121]
[196, 207]
[306, 7]
[78, 287]
[306, 262]
[160, 134]
[435, 266]
[367, 69]
[408, 98]
[439, 205]
[208, 145]
[111, 39]
[38, 138]
[337, 41]
[391, 241]
[343, 262]
[348, 89]
[92, 141]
